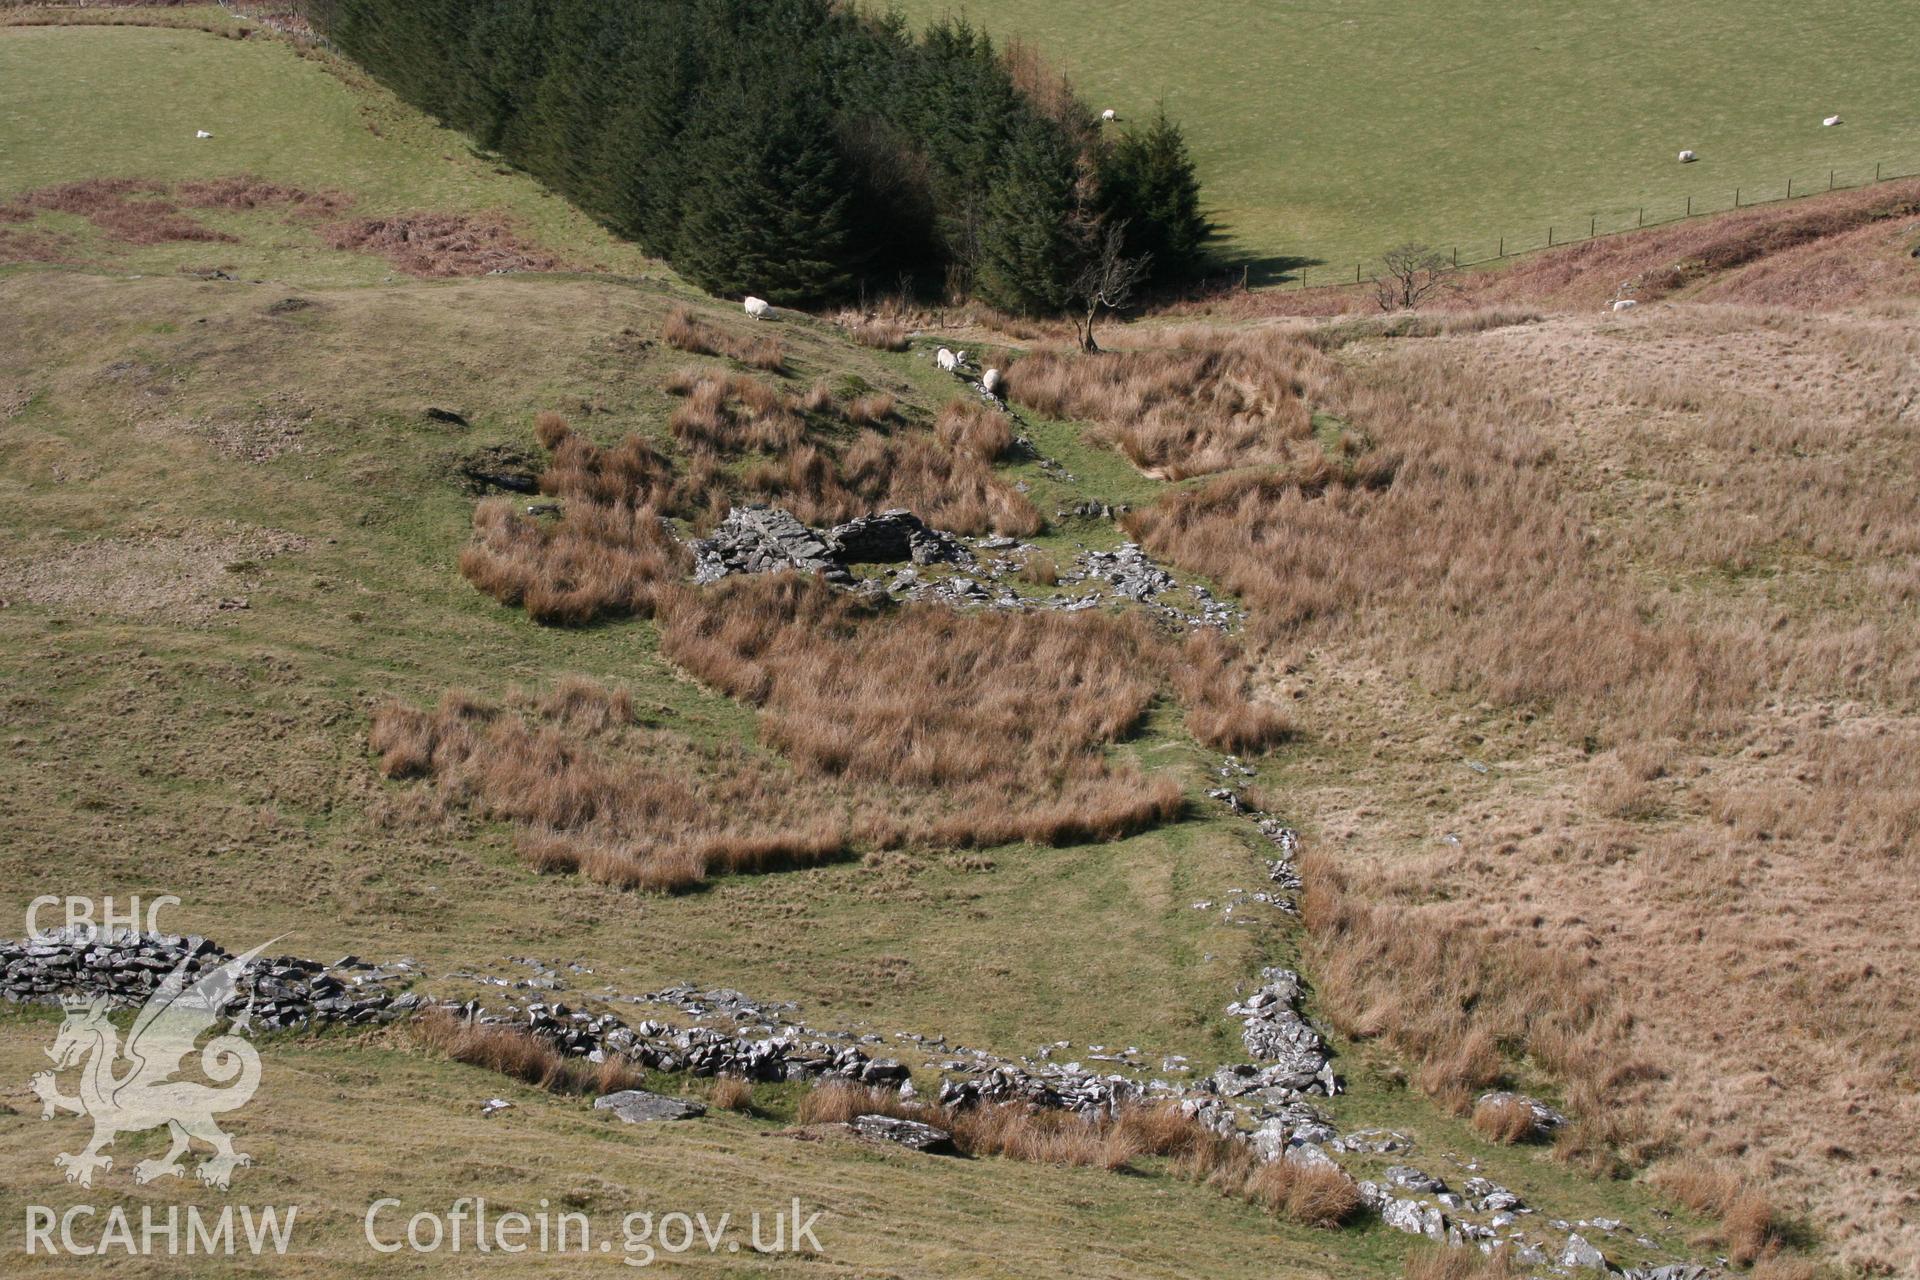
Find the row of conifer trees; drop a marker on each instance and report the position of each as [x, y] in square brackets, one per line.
[797, 149]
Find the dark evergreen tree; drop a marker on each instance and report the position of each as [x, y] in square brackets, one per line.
[766, 210]
[1147, 182]
[1035, 237]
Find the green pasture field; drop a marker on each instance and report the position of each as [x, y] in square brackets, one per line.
[1328, 130]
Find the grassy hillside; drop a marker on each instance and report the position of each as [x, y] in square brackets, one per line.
[1601, 669]
[232, 530]
[1329, 131]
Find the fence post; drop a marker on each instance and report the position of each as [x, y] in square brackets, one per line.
[1503, 246]
[1356, 273]
[1829, 179]
[1593, 225]
[1789, 188]
[1456, 255]
[1549, 237]
[1689, 206]
[1643, 216]
[1736, 197]
[1876, 171]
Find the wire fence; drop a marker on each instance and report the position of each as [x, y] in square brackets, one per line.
[1597, 226]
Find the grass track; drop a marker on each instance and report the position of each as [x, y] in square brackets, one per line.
[1331, 129]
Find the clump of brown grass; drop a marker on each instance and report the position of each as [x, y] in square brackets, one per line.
[734, 413]
[1203, 403]
[521, 1055]
[950, 490]
[592, 793]
[919, 712]
[1311, 1194]
[440, 245]
[879, 332]
[1505, 1120]
[818, 398]
[954, 491]
[688, 332]
[1448, 548]
[1038, 1136]
[1749, 1224]
[842, 1101]
[1314, 1195]
[731, 1093]
[871, 409]
[550, 428]
[1456, 1262]
[1212, 679]
[971, 428]
[1449, 997]
[1319, 1196]
[596, 560]
[1040, 569]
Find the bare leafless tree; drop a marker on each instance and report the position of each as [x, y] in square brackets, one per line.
[1410, 275]
[1108, 280]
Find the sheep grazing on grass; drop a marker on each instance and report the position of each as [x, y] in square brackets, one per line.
[758, 308]
[1109, 115]
[1829, 122]
[1687, 157]
[201, 134]
[949, 360]
[1625, 304]
[990, 382]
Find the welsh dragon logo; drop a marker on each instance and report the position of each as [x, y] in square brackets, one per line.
[145, 1095]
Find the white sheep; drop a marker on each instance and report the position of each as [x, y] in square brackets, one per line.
[946, 359]
[758, 308]
[202, 133]
[1829, 122]
[990, 382]
[1625, 304]
[1687, 157]
[1109, 115]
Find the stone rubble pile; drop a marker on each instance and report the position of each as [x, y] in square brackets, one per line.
[893, 537]
[1275, 1031]
[274, 993]
[699, 1050]
[1068, 1087]
[762, 539]
[759, 539]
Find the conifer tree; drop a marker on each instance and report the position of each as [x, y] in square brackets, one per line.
[767, 209]
[1147, 181]
[1035, 237]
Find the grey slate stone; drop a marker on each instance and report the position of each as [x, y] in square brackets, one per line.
[907, 1133]
[638, 1106]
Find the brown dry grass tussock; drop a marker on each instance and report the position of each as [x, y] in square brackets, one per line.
[1202, 402]
[1316, 1196]
[521, 1055]
[689, 332]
